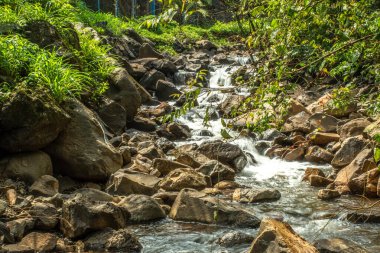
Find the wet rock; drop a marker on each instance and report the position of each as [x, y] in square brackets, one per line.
[142, 208]
[226, 153]
[125, 91]
[80, 217]
[255, 195]
[338, 245]
[295, 154]
[364, 215]
[165, 66]
[353, 128]
[195, 206]
[350, 148]
[147, 51]
[262, 146]
[373, 129]
[150, 79]
[319, 181]
[45, 215]
[123, 183]
[320, 138]
[166, 90]
[81, 150]
[354, 169]
[324, 122]
[165, 166]
[299, 122]
[277, 236]
[110, 240]
[312, 171]
[46, 186]
[40, 242]
[217, 171]
[39, 121]
[327, 194]
[179, 179]
[318, 155]
[179, 131]
[234, 238]
[26, 166]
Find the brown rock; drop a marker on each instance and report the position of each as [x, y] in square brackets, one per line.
[320, 138]
[350, 148]
[312, 171]
[277, 236]
[318, 181]
[318, 155]
[366, 183]
[354, 169]
[179, 179]
[46, 186]
[324, 122]
[165, 166]
[40, 242]
[373, 129]
[298, 122]
[295, 154]
[194, 206]
[327, 194]
[132, 183]
[255, 195]
[353, 128]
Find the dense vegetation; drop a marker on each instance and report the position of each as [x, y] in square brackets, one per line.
[67, 70]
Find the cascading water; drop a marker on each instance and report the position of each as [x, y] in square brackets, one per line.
[311, 218]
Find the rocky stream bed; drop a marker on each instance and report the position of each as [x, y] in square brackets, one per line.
[78, 177]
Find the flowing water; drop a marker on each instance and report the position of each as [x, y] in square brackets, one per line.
[310, 217]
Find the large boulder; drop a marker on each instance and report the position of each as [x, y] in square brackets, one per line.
[166, 90]
[179, 179]
[124, 183]
[113, 115]
[366, 183]
[110, 240]
[355, 168]
[80, 217]
[142, 208]
[125, 91]
[352, 128]
[194, 206]
[276, 236]
[226, 153]
[26, 166]
[81, 151]
[350, 148]
[150, 79]
[30, 121]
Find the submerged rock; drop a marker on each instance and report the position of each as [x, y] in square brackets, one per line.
[234, 238]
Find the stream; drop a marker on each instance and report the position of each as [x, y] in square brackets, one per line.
[310, 217]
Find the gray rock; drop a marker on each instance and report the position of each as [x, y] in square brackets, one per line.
[45, 186]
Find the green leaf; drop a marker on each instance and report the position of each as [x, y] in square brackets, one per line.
[376, 155]
[223, 123]
[225, 134]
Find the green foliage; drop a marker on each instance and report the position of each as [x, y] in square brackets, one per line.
[341, 98]
[51, 71]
